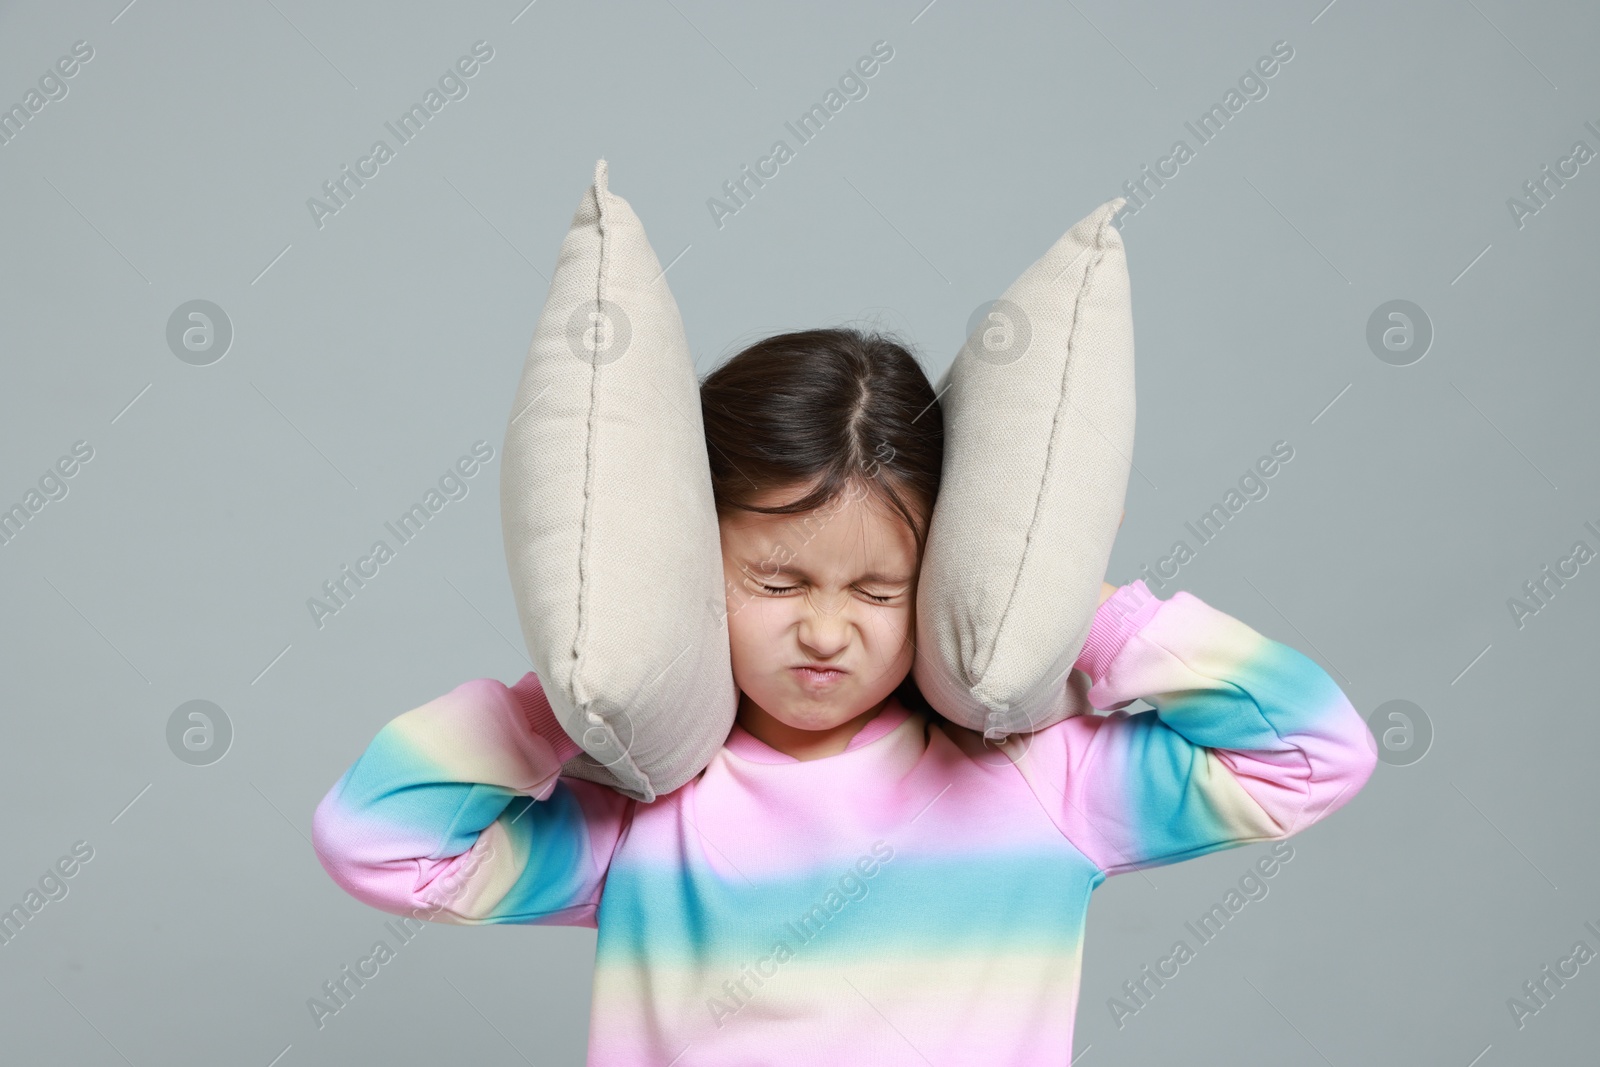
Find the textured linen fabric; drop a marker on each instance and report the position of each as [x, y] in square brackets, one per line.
[918, 898]
[607, 515]
[1038, 413]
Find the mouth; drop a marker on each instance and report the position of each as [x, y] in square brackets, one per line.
[818, 679]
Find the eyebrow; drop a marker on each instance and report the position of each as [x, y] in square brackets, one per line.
[874, 576]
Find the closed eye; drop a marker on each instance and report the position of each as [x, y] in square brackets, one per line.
[779, 590]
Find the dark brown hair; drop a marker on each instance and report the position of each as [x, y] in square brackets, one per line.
[830, 408]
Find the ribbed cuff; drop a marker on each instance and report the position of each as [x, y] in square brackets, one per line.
[1122, 615]
[541, 719]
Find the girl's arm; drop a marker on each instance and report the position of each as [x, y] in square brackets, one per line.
[455, 814]
[1249, 740]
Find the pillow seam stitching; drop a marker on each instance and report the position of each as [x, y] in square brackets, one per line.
[1089, 276]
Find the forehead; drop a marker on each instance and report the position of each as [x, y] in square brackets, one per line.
[853, 533]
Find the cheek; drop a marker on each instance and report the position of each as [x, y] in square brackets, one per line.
[893, 625]
[752, 621]
[738, 619]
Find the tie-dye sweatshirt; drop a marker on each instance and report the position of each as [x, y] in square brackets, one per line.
[918, 898]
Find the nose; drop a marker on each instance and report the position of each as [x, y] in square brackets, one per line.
[825, 623]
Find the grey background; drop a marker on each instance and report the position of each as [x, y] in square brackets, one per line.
[369, 354]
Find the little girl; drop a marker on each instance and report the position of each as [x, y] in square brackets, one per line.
[852, 879]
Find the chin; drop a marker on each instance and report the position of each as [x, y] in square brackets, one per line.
[801, 716]
[798, 712]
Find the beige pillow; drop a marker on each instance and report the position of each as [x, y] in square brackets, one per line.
[1038, 423]
[606, 508]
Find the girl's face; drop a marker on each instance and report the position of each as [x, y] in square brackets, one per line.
[834, 586]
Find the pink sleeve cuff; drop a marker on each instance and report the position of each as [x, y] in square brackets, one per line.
[1122, 615]
[541, 719]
